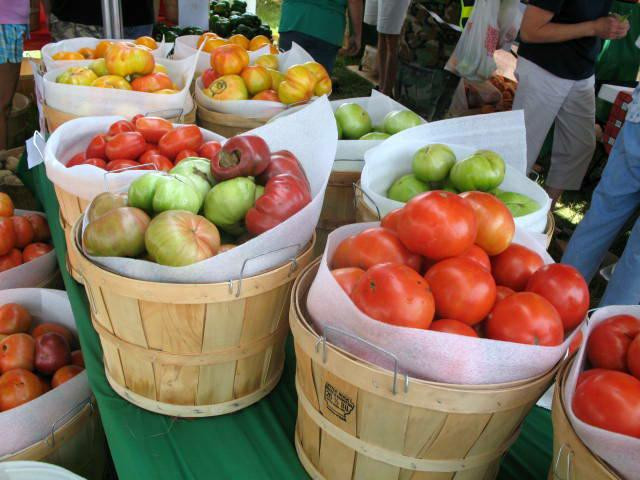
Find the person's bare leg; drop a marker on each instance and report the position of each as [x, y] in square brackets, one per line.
[9, 75]
[392, 63]
[382, 59]
[554, 194]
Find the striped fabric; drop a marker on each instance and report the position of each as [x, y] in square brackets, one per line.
[11, 38]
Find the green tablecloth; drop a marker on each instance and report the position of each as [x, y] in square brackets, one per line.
[255, 443]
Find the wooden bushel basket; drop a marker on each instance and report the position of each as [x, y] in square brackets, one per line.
[364, 213]
[77, 443]
[358, 421]
[338, 208]
[191, 350]
[225, 124]
[55, 118]
[572, 459]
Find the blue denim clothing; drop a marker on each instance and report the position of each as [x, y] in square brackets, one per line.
[615, 200]
[137, 31]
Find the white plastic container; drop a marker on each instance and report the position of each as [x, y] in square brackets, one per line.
[35, 471]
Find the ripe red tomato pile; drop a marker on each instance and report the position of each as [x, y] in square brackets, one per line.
[445, 262]
[148, 143]
[33, 360]
[608, 395]
[22, 238]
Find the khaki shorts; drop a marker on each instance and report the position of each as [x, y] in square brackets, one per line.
[387, 15]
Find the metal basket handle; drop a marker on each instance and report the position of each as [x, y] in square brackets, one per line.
[124, 169]
[556, 464]
[167, 114]
[294, 265]
[51, 438]
[396, 364]
[357, 188]
[37, 136]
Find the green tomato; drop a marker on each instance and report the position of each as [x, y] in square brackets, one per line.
[198, 171]
[228, 202]
[177, 192]
[518, 204]
[142, 189]
[339, 130]
[399, 120]
[483, 171]
[354, 120]
[406, 187]
[375, 136]
[259, 192]
[433, 162]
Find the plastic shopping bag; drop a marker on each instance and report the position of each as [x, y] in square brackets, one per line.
[509, 19]
[473, 55]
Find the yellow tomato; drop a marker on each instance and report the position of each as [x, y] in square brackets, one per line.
[240, 40]
[68, 56]
[258, 41]
[147, 42]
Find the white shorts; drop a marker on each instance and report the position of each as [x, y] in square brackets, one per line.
[387, 15]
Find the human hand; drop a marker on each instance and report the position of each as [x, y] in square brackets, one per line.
[352, 48]
[611, 27]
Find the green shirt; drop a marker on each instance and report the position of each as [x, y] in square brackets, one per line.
[323, 19]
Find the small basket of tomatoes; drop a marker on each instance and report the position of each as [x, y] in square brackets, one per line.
[596, 409]
[45, 399]
[81, 152]
[27, 258]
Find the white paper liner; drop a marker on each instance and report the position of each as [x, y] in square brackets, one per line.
[75, 44]
[33, 421]
[311, 135]
[385, 163]
[377, 105]
[28, 470]
[262, 109]
[33, 273]
[622, 452]
[425, 354]
[87, 181]
[87, 101]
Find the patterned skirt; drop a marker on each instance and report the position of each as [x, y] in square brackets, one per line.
[11, 38]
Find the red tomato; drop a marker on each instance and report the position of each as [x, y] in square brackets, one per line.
[6, 205]
[380, 245]
[48, 327]
[159, 161]
[347, 277]
[65, 374]
[525, 317]
[576, 342]
[126, 145]
[182, 138]
[77, 159]
[438, 225]
[395, 294]
[40, 227]
[17, 387]
[120, 164]
[7, 235]
[565, 288]
[453, 326]
[10, 260]
[478, 255]
[136, 117]
[609, 400]
[208, 76]
[503, 292]
[182, 154]
[151, 148]
[17, 351]
[153, 128]
[35, 250]
[96, 162]
[609, 341]
[513, 267]
[390, 220]
[23, 230]
[633, 357]
[462, 290]
[97, 147]
[342, 255]
[119, 127]
[209, 149]
[77, 358]
[495, 222]
[14, 318]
